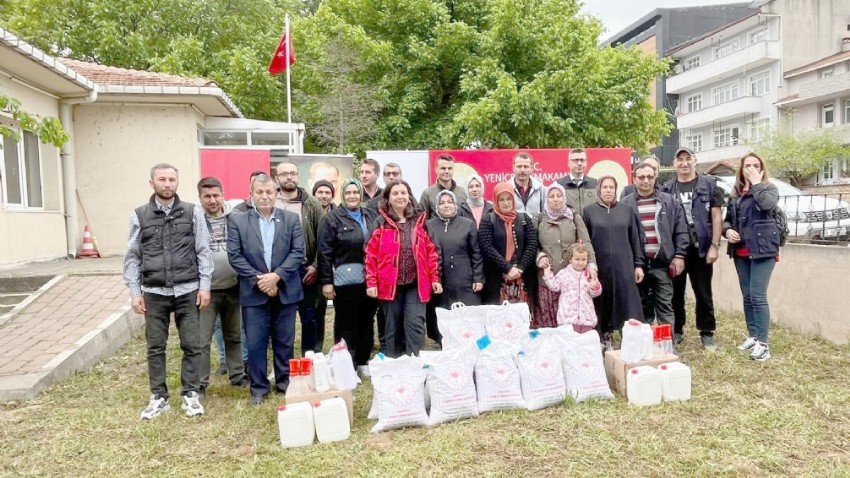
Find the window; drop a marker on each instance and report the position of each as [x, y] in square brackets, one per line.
[727, 136]
[758, 35]
[760, 83]
[828, 171]
[726, 49]
[847, 111]
[694, 103]
[827, 116]
[225, 138]
[760, 129]
[691, 63]
[694, 142]
[826, 73]
[725, 93]
[270, 138]
[22, 171]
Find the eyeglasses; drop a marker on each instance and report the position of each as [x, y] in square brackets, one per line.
[290, 174]
[645, 177]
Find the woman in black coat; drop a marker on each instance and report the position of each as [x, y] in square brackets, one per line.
[462, 267]
[509, 245]
[343, 234]
[614, 230]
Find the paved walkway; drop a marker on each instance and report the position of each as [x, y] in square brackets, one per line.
[73, 321]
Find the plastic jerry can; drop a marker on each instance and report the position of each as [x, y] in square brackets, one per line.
[630, 348]
[643, 386]
[296, 424]
[675, 381]
[331, 418]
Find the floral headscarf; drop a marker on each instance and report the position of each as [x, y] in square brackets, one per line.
[565, 212]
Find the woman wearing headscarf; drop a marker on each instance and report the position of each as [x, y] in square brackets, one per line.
[558, 227]
[402, 269]
[343, 234]
[475, 206]
[615, 234]
[509, 245]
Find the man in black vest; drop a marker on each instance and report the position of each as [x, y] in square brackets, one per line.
[168, 269]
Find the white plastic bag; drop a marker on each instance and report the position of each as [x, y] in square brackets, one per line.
[461, 326]
[508, 321]
[450, 384]
[375, 367]
[344, 375]
[541, 372]
[400, 389]
[497, 377]
[584, 369]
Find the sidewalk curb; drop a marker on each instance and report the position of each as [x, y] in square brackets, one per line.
[29, 300]
[109, 336]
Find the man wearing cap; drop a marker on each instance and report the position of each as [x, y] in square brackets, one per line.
[295, 199]
[580, 189]
[701, 201]
[324, 192]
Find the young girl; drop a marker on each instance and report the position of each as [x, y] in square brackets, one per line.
[575, 306]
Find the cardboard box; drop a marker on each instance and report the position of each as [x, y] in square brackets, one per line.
[616, 369]
[319, 396]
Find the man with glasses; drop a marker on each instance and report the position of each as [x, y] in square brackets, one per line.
[665, 239]
[701, 201]
[295, 199]
[656, 165]
[580, 189]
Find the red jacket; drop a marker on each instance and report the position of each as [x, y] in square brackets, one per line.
[382, 253]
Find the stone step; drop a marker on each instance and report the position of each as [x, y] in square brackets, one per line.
[13, 285]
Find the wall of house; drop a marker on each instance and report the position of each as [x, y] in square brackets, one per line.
[804, 23]
[30, 234]
[804, 292]
[116, 145]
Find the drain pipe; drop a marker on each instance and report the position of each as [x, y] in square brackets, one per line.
[69, 170]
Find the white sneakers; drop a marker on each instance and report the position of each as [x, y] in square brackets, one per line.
[747, 344]
[363, 370]
[155, 408]
[761, 352]
[192, 404]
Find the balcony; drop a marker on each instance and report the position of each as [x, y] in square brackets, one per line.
[721, 112]
[821, 90]
[751, 57]
[729, 153]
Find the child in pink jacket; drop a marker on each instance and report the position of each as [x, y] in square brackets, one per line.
[575, 307]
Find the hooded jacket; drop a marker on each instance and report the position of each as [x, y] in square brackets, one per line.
[224, 276]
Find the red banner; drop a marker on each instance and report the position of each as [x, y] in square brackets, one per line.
[496, 165]
[233, 167]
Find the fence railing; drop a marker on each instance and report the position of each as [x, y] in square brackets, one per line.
[818, 218]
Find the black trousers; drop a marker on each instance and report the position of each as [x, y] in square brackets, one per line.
[700, 272]
[321, 311]
[157, 319]
[354, 321]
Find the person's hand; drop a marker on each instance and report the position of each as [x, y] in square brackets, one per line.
[733, 237]
[437, 288]
[266, 281]
[513, 274]
[592, 273]
[272, 292]
[638, 275]
[372, 292]
[678, 265]
[328, 291]
[544, 263]
[203, 299]
[711, 257]
[138, 305]
[311, 275]
[593, 283]
[477, 287]
[753, 175]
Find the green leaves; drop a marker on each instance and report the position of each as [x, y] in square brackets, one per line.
[48, 129]
[801, 156]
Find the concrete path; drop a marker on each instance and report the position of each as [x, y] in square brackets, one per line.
[79, 317]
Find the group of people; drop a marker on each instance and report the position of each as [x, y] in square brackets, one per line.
[573, 251]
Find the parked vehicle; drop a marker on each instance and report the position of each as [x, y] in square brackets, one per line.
[810, 217]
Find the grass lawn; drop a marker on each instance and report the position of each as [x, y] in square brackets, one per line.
[787, 417]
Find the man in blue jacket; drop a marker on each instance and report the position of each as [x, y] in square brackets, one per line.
[665, 238]
[266, 248]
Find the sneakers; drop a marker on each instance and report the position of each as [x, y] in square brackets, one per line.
[761, 352]
[748, 344]
[708, 343]
[363, 370]
[155, 408]
[192, 404]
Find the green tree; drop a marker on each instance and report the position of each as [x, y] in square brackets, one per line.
[801, 156]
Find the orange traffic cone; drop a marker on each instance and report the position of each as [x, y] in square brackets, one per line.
[88, 249]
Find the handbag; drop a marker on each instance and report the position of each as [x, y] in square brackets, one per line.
[349, 274]
[513, 292]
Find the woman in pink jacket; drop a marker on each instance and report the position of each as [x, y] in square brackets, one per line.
[402, 269]
[577, 288]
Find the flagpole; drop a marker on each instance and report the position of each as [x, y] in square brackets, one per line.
[288, 92]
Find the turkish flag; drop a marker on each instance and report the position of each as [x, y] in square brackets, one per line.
[278, 63]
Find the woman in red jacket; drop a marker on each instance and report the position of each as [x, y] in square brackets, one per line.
[402, 269]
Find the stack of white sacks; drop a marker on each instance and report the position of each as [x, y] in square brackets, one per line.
[490, 361]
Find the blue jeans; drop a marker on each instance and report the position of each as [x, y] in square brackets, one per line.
[754, 277]
[219, 341]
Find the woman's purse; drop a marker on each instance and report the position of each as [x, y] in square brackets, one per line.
[349, 274]
[513, 292]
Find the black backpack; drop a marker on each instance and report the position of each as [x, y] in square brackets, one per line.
[781, 223]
